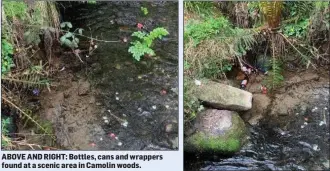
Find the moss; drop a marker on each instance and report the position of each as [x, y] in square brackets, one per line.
[218, 145]
[229, 143]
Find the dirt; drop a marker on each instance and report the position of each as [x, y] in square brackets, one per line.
[72, 110]
[298, 89]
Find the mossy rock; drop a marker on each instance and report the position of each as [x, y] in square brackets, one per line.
[217, 131]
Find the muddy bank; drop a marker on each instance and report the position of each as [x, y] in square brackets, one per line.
[111, 101]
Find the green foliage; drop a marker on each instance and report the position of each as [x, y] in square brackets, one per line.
[204, 9]
[191, 103]
[210, 27]
[91, 2]
[275, 77]
[212, 69]
[143, 45]
[5, 123]
[144, 10]
[211, 45]
[15, 9]
[69, 39]
[297, 29]
[6, 57]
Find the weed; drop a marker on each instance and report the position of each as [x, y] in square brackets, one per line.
[144, 10]
[6, 57]
[69, 39]
[5, 123]
[275, 77]
[143, 45]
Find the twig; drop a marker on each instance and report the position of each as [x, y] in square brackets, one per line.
[116, 117]
[28, 116]
[295, 48]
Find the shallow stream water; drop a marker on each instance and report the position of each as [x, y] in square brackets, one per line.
[143, 93]
[298, 142]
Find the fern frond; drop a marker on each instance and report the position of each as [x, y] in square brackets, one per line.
[272, 12]
[32, 80]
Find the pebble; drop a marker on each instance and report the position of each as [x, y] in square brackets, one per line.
[321, 123]
[154, 107]
[117, 93]
[167, 106]
[106, 121]
[117, 98]
[105, 118]
[302, 126]
[120, 143]
[197, 82]
[101, 139]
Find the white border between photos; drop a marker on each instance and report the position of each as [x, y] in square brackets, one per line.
[172, 160]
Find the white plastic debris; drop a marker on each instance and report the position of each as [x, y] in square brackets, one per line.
[105, 118]
[95, 46]
[124, 115]
[124, 124]
[167, 106]
[313, 110]
[154, 107]
[321, 123]
[117, 93]
[305, 123]
[302, 126]
[120, 143]
[139, 109]
[315, 147]
[101, 139]
[297, 113]
[106, 121]
[325, 108]
[197, 82]
[117, 98]
[116, 138]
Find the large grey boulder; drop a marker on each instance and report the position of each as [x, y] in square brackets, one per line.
[221, 96]
[216, 131]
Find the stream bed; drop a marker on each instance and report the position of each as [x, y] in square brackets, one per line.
[292, 142]
[137, 101]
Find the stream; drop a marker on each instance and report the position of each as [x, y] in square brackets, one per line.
[293, 142]
[144, 94]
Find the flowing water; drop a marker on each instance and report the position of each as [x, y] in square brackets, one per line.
[299, 142]
[143, 93]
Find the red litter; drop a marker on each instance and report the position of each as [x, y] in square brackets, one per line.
[139, 25]
[112, 135]
[92, 144]
[163, 92]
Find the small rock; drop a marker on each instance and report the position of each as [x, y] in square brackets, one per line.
[92, 100]
[154, 107]
[117, 98]
[120, 143]
[168, 128]
[98, 104]
[118, 66]
[84, 88]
